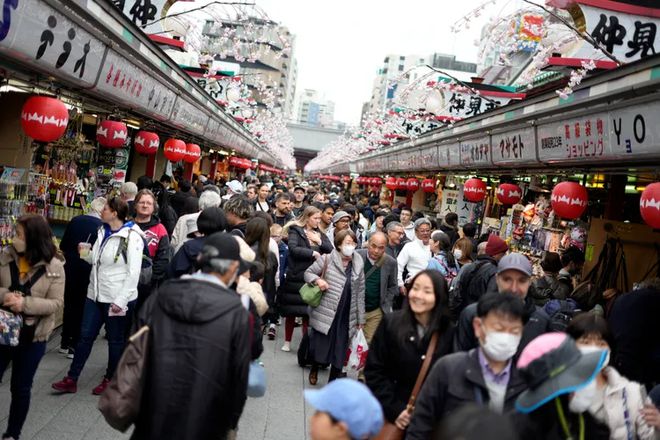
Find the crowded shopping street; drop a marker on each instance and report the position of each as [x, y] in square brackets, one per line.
[288, 220]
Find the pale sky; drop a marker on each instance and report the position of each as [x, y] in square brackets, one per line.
[340, 44]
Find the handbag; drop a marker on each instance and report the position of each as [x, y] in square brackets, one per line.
[120, 402]
[14, 328]
[390, 431]
[310, 292]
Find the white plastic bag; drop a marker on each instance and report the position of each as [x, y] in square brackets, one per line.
[357, 351]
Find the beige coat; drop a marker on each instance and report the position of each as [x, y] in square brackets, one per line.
[47, 298]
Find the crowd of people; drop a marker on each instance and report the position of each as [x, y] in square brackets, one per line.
[463, 337]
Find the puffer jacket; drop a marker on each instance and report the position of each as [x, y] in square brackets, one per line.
[114, 279]
[614, 406]
[321, 317]
[47, 294]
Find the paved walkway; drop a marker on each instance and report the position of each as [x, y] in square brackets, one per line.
[281, 414]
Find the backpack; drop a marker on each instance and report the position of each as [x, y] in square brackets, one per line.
[466, 280]
[146, 271]
[451, 272]
[561, 312]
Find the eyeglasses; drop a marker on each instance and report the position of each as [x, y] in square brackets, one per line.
[424, 231]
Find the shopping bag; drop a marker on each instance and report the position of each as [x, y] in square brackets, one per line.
[256, 380]
[357, 351]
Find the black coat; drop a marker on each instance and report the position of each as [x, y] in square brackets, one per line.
[194, 389]
[300, 257]
[454, 381]
[184, 260]
[536, 320]
[392, 366]
[178, 201]
[168, 218]
[81, 228]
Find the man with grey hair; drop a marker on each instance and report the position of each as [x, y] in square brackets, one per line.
[209, 199]
[127, 192]
[415, 255]
[396, 238]
[81, 229]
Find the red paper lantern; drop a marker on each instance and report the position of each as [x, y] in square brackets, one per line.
[345, 179]
[412, 184]
[175, 150]
[44, 119]
[474, 190]
[508, 193]
[146, 142]
[193, 152]
[569, 200]
[649, 205]
[391, 183]
[401, 183]
[428, 185]
[376, 181]
[111, 134]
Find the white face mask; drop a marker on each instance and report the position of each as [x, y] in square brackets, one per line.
[582, 399]
[347, 250]
[586, 349]
[458, 254]
[500, 346]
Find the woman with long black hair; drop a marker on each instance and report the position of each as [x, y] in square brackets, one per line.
[399, 346]
[257, 236]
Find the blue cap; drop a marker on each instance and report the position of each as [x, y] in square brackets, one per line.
[351, 402]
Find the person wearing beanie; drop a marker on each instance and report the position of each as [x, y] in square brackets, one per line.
[478, 278]
[513, 275]
[340, 220]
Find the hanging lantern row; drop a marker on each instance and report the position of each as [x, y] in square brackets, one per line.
[44, 119]
[371, 181]
[269, 169]
[240, 162]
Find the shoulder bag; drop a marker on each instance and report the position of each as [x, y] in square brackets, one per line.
[310, 292]
[390, 431]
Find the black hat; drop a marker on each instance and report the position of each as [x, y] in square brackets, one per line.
[219, 246]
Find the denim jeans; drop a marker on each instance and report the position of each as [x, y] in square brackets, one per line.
[25, 359]
[95, 315]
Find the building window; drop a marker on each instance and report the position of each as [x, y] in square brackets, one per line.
[402, 58]
[386, 60]
[385, 71]
[400, 67]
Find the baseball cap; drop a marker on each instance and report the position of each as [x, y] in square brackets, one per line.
[220, 245]
[298, 187]
[515, 261]
[552, 365]
[351, 402]
[235, 186]
[339, 215]
[304, 184]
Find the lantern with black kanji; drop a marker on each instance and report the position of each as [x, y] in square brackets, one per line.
[569, 200]
[474, 190]
[146, 142]
[44, 118]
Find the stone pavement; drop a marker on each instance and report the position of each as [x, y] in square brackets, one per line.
[281, 414]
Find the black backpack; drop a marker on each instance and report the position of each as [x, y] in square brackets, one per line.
[561, 313]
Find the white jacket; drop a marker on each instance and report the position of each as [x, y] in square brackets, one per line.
[613, 408]
[180, 233]
[113, 280]
[415, 255]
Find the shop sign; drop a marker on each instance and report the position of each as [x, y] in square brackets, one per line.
[213, 130]
[634, 131]
[579, 139]
[124, 81]
[449, 155]
[37, 34]
[627, 36]
[418, 127]
[464, 105]
[216, 88]
[121, 164]
[189, 116]
[449, 202]
[514, 147]
[428, 158]
[145, 13]
[475, 152]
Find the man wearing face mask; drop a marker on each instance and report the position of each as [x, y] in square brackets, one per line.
[514, 272]
[561, 388]
[485, 375]
[181, 326]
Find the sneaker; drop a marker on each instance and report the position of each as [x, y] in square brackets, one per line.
[272, 332]
[297, 322]
[286, 346]
[63, 350]
[70, 353]
[66, 385]
[101, 387]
